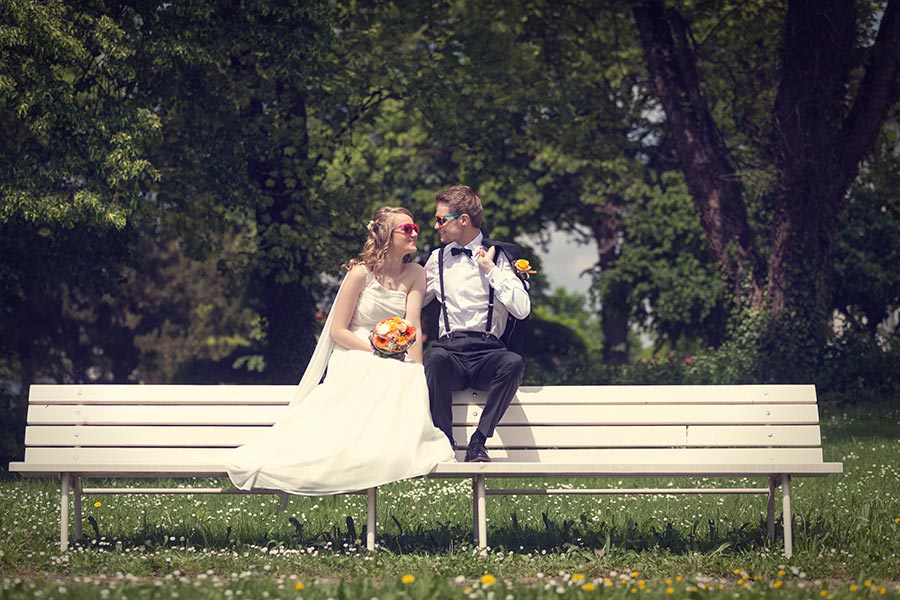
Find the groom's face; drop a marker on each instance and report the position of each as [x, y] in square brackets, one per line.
[448, 228]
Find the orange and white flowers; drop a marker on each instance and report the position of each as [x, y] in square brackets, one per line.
[392, 337]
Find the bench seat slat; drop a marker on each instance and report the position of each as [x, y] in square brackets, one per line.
[541, 436]
[763, 414]
[206, 456]
[133, 435]
[282, 394]
[642, 436]
[566, 414]
[154, 415]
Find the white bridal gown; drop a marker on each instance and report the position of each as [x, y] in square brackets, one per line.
[367, 424]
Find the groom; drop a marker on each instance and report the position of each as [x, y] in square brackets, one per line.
[477, 287]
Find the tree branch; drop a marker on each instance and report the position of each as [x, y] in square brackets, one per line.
[701, 151]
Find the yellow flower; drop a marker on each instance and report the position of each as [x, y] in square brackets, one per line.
[407, 579]
[523, 268]
[488, 579]
[577, 577]
[777, 584]
[781, 572]
[299, 586]
[98, 504]
[589, 587]
[670, 590]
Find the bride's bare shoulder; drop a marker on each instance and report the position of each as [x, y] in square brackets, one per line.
[414, 270]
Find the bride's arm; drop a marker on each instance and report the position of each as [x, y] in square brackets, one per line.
[343, 309]
[414, 311]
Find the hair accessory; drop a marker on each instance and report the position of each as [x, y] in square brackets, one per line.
[370, 225]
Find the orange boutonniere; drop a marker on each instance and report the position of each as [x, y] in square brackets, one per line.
[392, 337]
[523, 269]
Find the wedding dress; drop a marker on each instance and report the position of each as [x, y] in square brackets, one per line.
[367, 424]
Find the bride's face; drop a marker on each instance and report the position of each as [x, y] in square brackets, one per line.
[404, 235]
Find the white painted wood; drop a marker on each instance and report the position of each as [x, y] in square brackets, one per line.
[510, 436]
[763, 414]
[73, 457]
[631, 436]
[153, 415]
[161, 394]
[282, 394]
[596, 470]
[131, 435]
[654, 394]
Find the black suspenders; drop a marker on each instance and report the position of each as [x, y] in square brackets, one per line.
[490, 311]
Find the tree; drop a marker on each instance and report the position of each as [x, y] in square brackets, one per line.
[835, 90]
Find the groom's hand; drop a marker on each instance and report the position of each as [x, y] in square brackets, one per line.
[485, 258]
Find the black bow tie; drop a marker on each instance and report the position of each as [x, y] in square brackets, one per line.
[456, 251]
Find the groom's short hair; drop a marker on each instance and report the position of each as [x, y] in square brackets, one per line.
[463, 200]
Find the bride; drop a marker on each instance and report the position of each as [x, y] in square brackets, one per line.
[368, 423]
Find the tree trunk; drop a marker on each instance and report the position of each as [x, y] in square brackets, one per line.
[614, 310]
[286, 305]
[702, 154]
[821, 133]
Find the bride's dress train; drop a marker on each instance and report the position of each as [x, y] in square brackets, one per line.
[366, 425]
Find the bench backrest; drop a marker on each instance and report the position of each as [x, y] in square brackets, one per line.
[185, 428]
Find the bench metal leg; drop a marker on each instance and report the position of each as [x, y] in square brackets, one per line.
[788, 519]
[65, 479]
[770, 509]
[77, 515]
[479, 510]
[371, 520]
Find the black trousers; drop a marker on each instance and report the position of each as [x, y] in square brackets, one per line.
[471, 362]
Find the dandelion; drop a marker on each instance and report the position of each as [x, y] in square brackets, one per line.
[577, 577]
[589, 587]
[98, 504]
[299, 586]
[407, 579]
[488, 579]
[670, 590]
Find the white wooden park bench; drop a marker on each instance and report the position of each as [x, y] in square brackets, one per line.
[178, 431]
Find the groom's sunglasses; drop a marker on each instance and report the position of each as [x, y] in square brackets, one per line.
[408, 228]
[441, 220]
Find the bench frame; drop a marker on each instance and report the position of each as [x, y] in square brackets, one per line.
[777, 475]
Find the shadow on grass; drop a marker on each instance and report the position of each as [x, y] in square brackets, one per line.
[552, 536]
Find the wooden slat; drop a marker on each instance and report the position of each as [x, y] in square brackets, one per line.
[161, 394]
[637, 436]
[153, 415]
[159, 436]
[763, 414]
[655, 394]
[212, 456]
[515, 436]
[563, 469]
[282, 394]
[515, 415]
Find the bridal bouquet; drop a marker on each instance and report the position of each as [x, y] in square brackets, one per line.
[392, 337]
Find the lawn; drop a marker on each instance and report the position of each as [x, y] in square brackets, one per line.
[846, 538]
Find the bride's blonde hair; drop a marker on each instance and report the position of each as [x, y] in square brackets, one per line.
[378, 239]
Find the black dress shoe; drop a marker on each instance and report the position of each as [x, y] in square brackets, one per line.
[476, 452]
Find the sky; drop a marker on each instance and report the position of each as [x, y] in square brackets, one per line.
[564, 261]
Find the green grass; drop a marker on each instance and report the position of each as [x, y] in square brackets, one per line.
[846, 539]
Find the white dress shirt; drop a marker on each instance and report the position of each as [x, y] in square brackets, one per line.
[467, 288]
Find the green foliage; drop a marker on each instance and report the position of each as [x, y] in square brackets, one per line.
[675, 289]
[73, 150]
